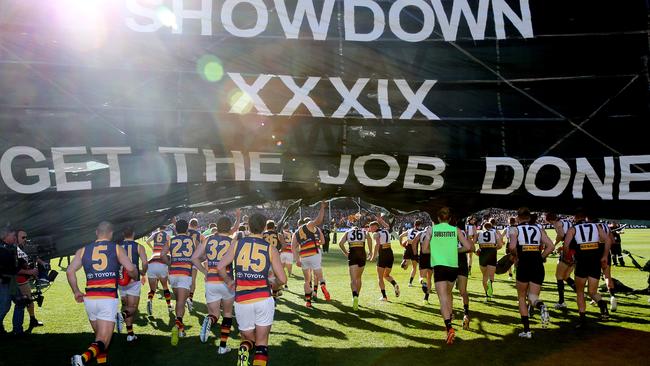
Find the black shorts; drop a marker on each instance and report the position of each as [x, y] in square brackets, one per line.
[425, 261]
[409, 255]
[386, 258]
[488, 257]
[444, 273]
[588, 266]
[357, 257]
[531, 271]
[463, 269]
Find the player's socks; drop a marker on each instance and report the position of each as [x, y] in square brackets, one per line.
[383, 293]
[569, 281]
[179, 323]
[308, 299]
[393, 282]
[426, 296]
[466, 309]
[560, 291]
[448, 324]
[102, 358]
[323, 288]
[526, 323]
[168, 297]
[93, 350]
[355, 294]
[425, 289]
[150, 295]
[315, 292]
[129, 330]
[411, 281]
[226, 324]
[612, 292]
[261, 356]
[191, 296]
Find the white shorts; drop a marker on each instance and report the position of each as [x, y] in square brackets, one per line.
[180, 282]
[217, 291]
[132, 289]
[257, 313]
[157, 270]
[101, 309]
[286, 258]
[312, 262]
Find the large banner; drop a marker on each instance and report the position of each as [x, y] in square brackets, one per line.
[133, 110]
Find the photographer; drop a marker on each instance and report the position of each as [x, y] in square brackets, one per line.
[23, 281]
[9, 268]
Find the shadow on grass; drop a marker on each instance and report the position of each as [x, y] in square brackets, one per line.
[598, 345]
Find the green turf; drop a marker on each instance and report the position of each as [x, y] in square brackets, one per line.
[401, 332]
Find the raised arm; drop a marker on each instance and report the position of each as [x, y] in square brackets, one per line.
[319, 219]
[235, 227]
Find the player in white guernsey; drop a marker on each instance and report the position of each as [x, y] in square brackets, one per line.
[423, 239]
[357, 240]
[566, 264]
[471, 232]
[384, 253]
[607, 272]
[489, 241]
[512, 225]
[410, 256]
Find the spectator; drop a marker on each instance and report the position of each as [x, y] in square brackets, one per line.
[24, 287]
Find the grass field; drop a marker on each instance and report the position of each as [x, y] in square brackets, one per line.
[401, 332]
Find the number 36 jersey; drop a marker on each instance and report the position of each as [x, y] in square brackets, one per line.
[181, 248]
[252, 265]
[101, 266]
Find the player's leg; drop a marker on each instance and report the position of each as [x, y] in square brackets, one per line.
[611, 286]
[560, 276]
[484, 280]
[131, 311]
[320, 279]
[491, 270]
[592, 290]
[534, 289]
[181, 289]
[426, 284]
[306, 272]
[522, 292]
[462, 289]
[414, 269]
[190, 296]
[580, 299]
[443, 292]
[153, 286]
[226, 325]
[246, 345]
[391, 280]
[164, 281]
[380, 281]
[261, 357]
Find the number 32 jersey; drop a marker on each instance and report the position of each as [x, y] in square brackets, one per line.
[100, 264]
[252, 265]
[215, 247]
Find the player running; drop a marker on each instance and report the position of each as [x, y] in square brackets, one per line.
[532, 246]
[101, 262]
[470, 232]
[157, 269]
[607, 271]
[489, 241]
[130, 293]
[406, 241]
[253, 259]
[384, 253]
[463, 273]
[444, 260]
[198, 238]
[274, 238]
[213, 249]
[286, 253]
[356, 239]
[307, 255]
[423, 239]
[591, 244]
[181, 248]
[566, 264]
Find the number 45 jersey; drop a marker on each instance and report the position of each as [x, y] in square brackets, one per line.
[101, 266]
[252, 265]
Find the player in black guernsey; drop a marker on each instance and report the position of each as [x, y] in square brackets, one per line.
[384, 253]
[591, 257]
[410, 253]
[566, 264]
[357, 256]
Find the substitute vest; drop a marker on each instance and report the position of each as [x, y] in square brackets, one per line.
[444, 245]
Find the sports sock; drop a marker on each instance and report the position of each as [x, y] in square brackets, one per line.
[383, 293]
[539, 304]
[126, 314]
[355, 294]
[226, 324]
[560, 291]
[526, 323]
[168, 297]
[393, 282]
[245, 345]
[425, 289]
[191, 295]
[213, 319]
[179, 322]
[411, 281]
[129, 330]
[261, 356]
[150, 295]
[93, 350]
[612, 292]
[448, 324]
[583, 316]
[315, 292]
[102, 358]
[308, 297]
[569, 281]
[426, 296]
[466, 309]
[602, 304]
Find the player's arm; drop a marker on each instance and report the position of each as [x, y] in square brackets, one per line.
[225, 262]
[71, 273]
[164, 253]
[548, 244]
[499, 240]
[467, 244]
[126, 262]
[321, 236]
[414, 243]
[319, 219]
[281, 239]
[344, 239]
[235, 227]
[142, 253]
[570, 234]
[375, 253]
[150, 240]
[295, 248]
[401, 236]
[512, 245]
[559, 234]
[198, 257]
[607, 238]
[369, 244]
[381, 221]
[278, 269]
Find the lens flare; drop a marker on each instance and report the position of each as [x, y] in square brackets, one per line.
[166, 17]
[240, 102]
[210, 68]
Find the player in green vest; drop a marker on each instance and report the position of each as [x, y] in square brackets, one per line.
[444, 260]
